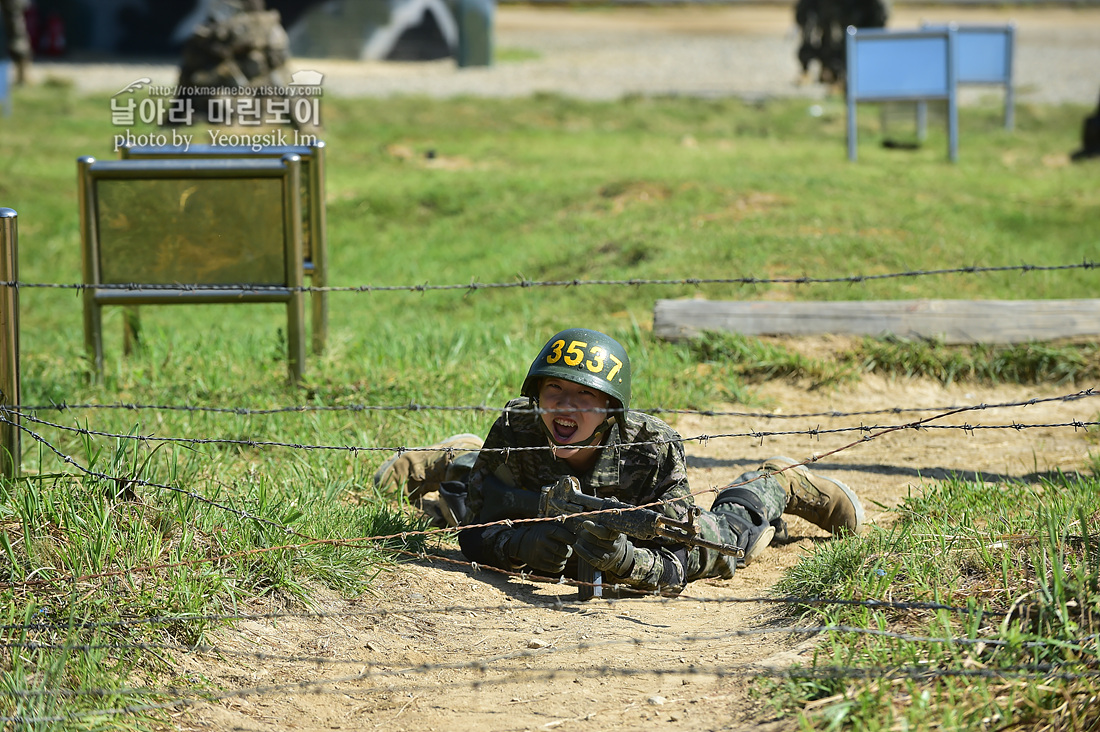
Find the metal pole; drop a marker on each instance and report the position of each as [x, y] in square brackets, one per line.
[295, 306]
[9, 344]
[852, 83]
[1010, 94]
[93, 318]
[5, 87]
[318, 247]
[952, 93]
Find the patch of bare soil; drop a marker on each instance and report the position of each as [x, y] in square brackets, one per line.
[440, 646]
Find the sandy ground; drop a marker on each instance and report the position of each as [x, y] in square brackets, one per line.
[743, 51]
[443, 647]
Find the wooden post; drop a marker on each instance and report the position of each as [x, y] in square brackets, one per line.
[9, 344]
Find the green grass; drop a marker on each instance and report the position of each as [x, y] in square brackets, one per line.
[755, 359]
[512, 54]
[1024, 559]
[544, 188]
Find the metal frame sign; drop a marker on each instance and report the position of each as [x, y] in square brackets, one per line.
[314, 236]
[917, 65]
[159, 232]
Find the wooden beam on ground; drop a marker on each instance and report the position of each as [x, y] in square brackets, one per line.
[952, 321]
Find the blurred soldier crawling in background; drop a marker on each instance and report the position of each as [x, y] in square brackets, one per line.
[823, 24]
[241, 46]
[1090, 137]
[15, 32]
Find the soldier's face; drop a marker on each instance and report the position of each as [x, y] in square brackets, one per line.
[568, 412]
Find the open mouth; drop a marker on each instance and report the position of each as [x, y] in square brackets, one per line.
[564, 429]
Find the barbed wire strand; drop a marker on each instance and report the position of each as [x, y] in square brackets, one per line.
[557, 604]
[355, 449]
[414, 407]
[214, 650]
[754, 434]
[376, 668]
[522, 282]
[134, 481]
[318, 686]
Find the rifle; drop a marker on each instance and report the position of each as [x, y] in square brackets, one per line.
[564, 498]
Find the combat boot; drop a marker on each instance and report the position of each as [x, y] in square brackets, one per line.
[822, 501]
[421, 471]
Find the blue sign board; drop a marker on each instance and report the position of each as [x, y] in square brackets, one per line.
[900, 67]
[913, 65]
[5, 86]
[985, 54]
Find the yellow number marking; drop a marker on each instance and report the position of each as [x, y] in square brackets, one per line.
[555, 352]
[575, 353]
[596, 365]
[615, 370]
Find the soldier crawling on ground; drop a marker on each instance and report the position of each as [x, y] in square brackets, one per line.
[1090, 137]
[240, 46]
[823, 24]
[574, 419]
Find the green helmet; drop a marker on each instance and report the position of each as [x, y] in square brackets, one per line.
[584, 357]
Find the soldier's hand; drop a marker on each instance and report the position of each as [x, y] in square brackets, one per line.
[543, 546]
[397, 470]
[419, 471]
[605, 549]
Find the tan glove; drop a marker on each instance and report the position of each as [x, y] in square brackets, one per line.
[421, 471]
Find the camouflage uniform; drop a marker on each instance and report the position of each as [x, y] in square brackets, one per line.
[240, 46]
[641, 461]
[18, 42]
[823, 24]
[1090, 137]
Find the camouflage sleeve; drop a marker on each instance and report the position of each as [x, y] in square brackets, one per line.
[672, 483]
[489, 462]
[486, 544]
[661, 566]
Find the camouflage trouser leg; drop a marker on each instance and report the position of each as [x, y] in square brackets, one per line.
[770, 497]
[15, 28]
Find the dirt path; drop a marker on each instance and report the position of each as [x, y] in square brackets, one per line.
[745, 51]
[635, 664]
